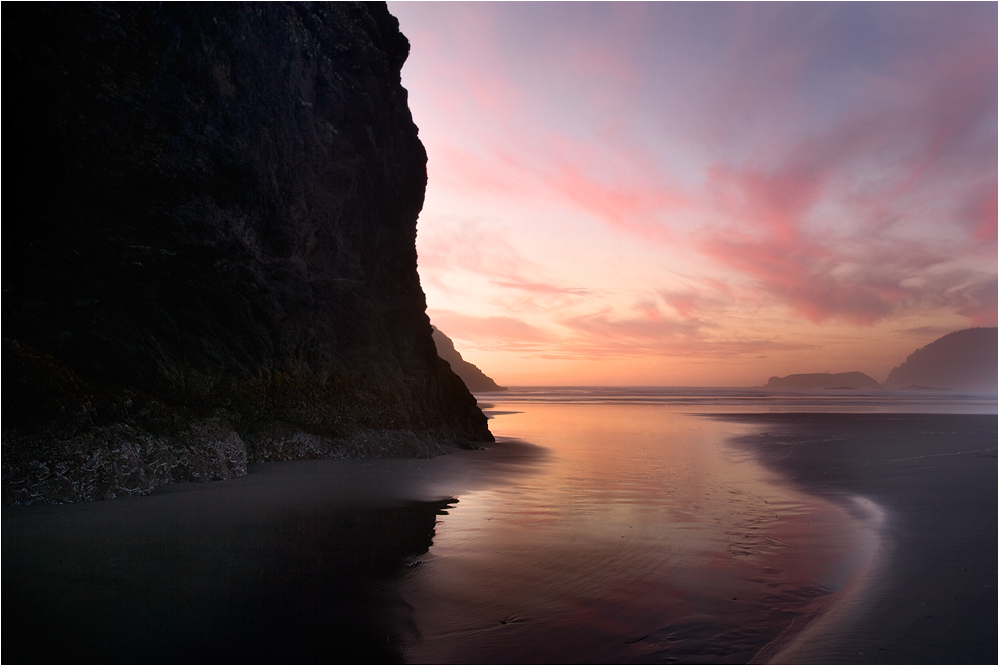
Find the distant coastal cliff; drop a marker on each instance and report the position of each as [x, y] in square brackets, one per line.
[824, 380]
[474, 379]
[963, 360]
[210, 247]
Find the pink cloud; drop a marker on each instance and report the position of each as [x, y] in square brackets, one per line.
[471, 245]
[819, 281]
[921, 148]
[612, 183]
[983, 216]
[692, 304]
[600, 334]
[637, 208]
[862, 273]
[846, 185]
[540, 287]
[649, 310]
[506, 333]
[492, 175]
[484, 250]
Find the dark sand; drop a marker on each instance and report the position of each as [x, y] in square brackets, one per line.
[643, 538]
[300, 562]
[931, 597]
[293, 563]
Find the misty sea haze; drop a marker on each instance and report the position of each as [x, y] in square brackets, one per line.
[726, 399]
[605, 525]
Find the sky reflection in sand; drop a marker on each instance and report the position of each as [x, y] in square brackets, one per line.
[639, 537]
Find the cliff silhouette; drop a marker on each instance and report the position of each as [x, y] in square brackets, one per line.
[963, 360]
[210, 246]
[474, 379]
[824, 380]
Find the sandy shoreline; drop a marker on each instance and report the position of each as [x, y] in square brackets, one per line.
[933, 596]
[293, 563]
[298, 562]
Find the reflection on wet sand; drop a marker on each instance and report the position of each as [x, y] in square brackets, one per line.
[641, 538]
[188, 577]
[294, 563]
[589, 533]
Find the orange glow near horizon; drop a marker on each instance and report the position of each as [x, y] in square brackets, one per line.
[703, 194]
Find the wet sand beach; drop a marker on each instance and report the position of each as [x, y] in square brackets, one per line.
[644, 537]
[932, 597]
[196, 584]
[293, 563]
[588, 533]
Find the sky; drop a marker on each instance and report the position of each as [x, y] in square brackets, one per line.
[703, 194]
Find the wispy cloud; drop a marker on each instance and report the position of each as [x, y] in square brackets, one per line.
[867, 270]
[539, 287]
[456, 248]
[489, 333]
[750, 168]
[694, 304]
[601, 334]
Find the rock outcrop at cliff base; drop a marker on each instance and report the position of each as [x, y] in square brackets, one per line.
[209, 246]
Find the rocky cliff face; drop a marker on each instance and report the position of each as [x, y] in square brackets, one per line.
[209, 247]
[964, 360]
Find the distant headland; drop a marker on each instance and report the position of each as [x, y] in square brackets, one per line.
[825, 380]
[474, 379]
[963, 360]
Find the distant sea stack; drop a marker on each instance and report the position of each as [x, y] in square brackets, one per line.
[209, 246]
[824, 380]
[963, 360]
[474, 379]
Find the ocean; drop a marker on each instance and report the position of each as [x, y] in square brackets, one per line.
[605, 525]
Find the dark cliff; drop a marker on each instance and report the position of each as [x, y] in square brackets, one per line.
[960, 360]
[209, 246]
[474, 379]
[824, 380]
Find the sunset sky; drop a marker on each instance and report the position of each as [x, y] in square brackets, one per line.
[703, 194]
